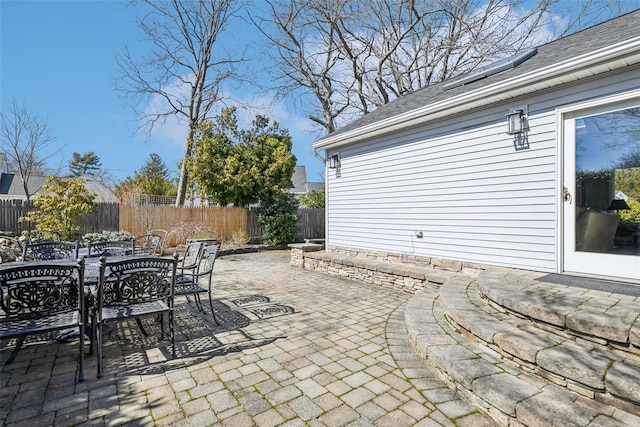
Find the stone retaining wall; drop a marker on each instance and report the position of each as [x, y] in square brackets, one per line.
[408, 273]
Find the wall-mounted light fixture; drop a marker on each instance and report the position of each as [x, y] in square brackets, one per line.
[517, 121]
[334, 163]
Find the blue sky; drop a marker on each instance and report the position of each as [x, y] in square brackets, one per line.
[57, 57]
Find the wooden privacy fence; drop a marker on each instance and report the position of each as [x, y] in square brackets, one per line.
[217, 222]
[203, 221]
[104, 217]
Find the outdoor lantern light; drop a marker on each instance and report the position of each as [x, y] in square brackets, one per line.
[334, 161]
[618, 205]
[517, 122]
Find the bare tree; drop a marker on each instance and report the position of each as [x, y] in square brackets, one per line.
[354, 56]
[306, 52]
[183, 73]
[27, 143]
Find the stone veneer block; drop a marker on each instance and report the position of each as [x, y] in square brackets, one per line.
[552, 408]
[574, 364]
[385, 267]
[634, 333]
[424, 342]
[467, 371]
[523, 344]
[442, 354]
[623, 380]
[445, 264]
[503, 391]
[359, 262]
[550, 313]
[612, 325]
[438, 277]
[487, 330]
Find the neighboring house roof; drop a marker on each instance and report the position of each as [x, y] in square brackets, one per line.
[602, 48]
[12, 186]
[300, 183]
[101, 191]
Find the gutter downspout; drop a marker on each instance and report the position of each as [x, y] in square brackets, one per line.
[326, 185]
[318, 156]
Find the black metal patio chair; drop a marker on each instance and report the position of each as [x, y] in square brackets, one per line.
[49, 250]
[146, 244]
[191, 261]
[40, 297]
[133, 288]
[111, 248]
[192, 283]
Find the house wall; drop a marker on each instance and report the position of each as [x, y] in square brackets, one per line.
[474, 195]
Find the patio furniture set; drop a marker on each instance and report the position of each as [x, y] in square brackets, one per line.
[59, 286]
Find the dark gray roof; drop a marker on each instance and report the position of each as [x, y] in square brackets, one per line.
[12, 184]
[583, 42]
[300, 183]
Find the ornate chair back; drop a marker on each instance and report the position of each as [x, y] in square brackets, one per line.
[132, 288]
[110, 248]
[50, 250]
[40, 297]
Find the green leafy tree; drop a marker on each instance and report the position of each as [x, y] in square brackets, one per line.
[278, 217]
[85, 164]
[633, 213]
[231, 165]
[56, 209]
[153, 178]
[313, 199]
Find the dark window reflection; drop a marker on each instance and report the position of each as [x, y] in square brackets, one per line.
[608, 183]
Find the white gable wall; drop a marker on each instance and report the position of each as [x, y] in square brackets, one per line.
[462, 183]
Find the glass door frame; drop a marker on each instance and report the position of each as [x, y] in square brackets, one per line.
[622, 267]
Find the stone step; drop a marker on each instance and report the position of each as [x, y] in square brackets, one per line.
[603, 317]
[515, 371]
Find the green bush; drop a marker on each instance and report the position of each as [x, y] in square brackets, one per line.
[278, 217]
[632, 214]
[56, 209]
[313, 200]
[107, 236]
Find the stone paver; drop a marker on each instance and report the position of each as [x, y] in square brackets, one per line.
[294, 348]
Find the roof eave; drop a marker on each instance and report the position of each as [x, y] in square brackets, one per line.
[601, 61]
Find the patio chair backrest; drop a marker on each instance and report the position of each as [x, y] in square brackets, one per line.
[192, 254]
[162, 234]
[135, 280]
[147, 244]
[40, 297]
[110, 248]
[210, 253]
[32, 290]
[50, 250]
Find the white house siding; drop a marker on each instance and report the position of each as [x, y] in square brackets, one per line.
[462, 183]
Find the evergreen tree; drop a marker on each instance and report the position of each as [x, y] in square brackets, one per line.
[232, 165]
[88, 163]
[153, 178]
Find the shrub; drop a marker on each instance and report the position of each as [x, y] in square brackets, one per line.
[107, 236]
[313, 199]
[633, 213]
[186, 230]
[240, 237]
[57, 208]
[277, 215]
